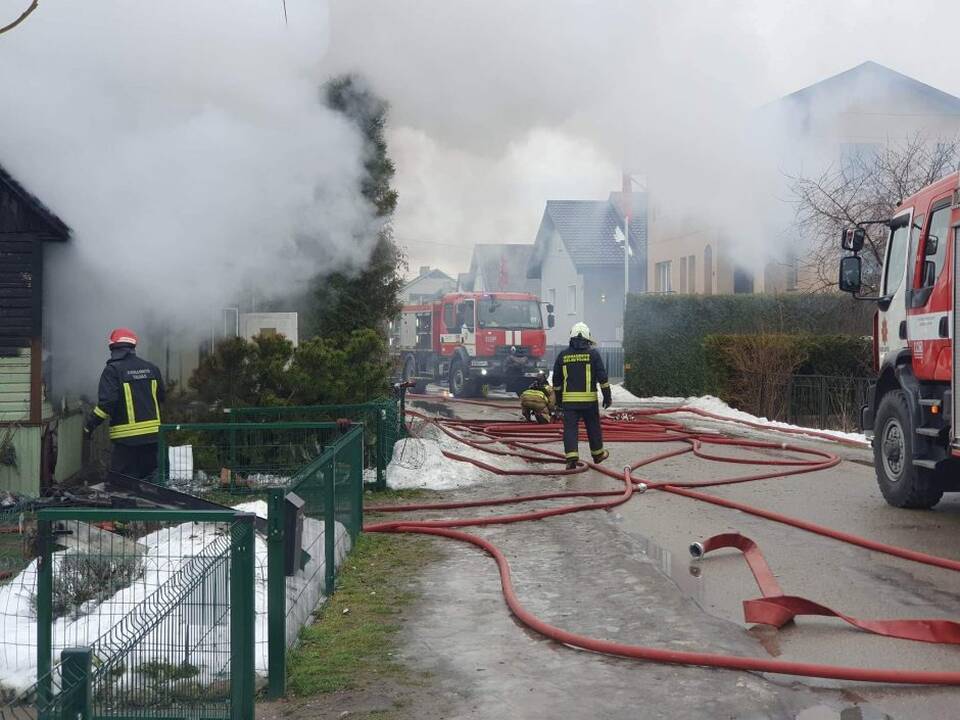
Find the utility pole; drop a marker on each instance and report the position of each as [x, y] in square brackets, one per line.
[627, 200]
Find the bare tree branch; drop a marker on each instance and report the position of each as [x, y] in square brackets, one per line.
[865, 186]
[23, 16]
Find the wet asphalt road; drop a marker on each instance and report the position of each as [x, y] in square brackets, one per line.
[626, 575]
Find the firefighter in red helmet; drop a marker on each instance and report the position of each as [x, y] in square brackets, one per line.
[129, 396]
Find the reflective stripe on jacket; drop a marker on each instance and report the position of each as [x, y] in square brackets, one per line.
[129, 396]
[577, 373]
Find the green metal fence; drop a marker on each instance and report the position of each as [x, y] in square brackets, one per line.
[142, 614]
[380, 419]
[145, 600]
[239, 457]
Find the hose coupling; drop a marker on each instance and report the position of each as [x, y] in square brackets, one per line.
[640, 488]
[696, 550]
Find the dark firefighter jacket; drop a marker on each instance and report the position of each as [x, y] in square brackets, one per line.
[129, 396]
[577, 372]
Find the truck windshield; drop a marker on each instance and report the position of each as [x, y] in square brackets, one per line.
[515, 314]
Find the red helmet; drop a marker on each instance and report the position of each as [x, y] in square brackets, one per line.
[123, 336]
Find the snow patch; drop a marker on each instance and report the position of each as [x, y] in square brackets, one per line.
[166, 551]
[420, 463]
[716, 406]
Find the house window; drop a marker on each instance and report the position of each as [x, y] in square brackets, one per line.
[683, 274]
[708, 270]
[268, 332]
[742, 281]
[692, 274]
[662, 277]
[552, 297]
[572, 299]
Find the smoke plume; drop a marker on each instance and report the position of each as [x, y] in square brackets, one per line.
[187, 147]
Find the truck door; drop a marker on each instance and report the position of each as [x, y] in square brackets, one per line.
[467, 317]
[928, 303]
[893, 311]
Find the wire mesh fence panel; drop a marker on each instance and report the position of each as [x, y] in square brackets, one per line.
[380, 420]
[163, 601]
[238, 457]
[826, 401]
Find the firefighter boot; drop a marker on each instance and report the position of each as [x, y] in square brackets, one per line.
[600, 455]
[571, 463]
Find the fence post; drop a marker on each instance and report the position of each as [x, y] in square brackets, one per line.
[330, 524]
[44, 610]
[276, 596]
[163, 458]
[75, 669]
[381, 446]
[242, 617]
[823, 402]
[356, 486]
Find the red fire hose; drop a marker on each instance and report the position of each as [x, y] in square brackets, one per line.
[523, 440]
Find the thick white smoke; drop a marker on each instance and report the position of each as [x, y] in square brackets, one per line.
[187, 146]
[666, 89]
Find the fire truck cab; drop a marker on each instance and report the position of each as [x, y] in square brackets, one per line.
[910, 412]
[473, 341]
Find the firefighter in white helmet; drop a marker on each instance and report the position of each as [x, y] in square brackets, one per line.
[577, 372]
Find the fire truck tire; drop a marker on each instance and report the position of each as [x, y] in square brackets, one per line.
[903, 484]
[460, 383]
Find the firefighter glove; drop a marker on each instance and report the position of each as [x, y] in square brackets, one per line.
[607, 398]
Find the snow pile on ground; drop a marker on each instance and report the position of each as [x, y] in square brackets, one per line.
[716, 406]
[420, 463]
[165, 552]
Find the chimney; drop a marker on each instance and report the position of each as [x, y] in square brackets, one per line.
[424, 269]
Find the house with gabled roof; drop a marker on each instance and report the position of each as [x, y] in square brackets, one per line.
[850, 115]
[37, 444]
[429, 285]
[578, 262]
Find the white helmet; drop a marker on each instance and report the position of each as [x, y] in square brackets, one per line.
[580, 329]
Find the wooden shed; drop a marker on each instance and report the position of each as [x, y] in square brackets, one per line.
[29, 427]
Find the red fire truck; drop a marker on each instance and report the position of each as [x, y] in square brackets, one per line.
[473, 341]
[910, 411]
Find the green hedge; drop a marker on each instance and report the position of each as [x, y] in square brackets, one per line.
[664, 342]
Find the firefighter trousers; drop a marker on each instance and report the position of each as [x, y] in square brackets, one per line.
[590, 414]
[136, 461]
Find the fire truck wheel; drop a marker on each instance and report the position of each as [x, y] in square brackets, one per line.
[460, 385]
[903, 484]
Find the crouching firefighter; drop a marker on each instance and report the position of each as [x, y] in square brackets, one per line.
[538, 401]
[129, 396]
[576, 373]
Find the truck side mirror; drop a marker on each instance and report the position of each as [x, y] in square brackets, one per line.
[851, 269]
[933, 242]
[550, 309]
[551, 320]
[852, 239]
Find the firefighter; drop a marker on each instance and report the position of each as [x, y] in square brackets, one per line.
[577, 372]
[538, 401]
[129, 396]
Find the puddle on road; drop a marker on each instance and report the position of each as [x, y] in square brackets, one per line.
[684, 572]
[855, 712]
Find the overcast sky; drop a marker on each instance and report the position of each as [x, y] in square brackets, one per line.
[503, 104]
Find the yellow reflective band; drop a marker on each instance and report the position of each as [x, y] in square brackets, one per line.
[156, 405]
[149, 427]
[582, 357]
[564, 380]
[579, 397]
[100, 413]
[604, 386]
[573, 454]
[128, 396]
[586, 369]
[597, 452]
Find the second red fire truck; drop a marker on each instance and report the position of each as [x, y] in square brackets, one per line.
[473, 341]
[910, 410]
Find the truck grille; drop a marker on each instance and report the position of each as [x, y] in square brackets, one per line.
[522, 351]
